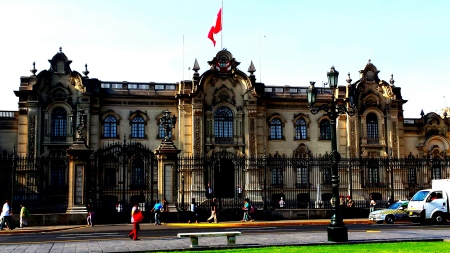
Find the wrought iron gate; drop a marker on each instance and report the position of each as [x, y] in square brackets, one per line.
[120, 174]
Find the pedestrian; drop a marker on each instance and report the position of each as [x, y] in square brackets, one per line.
[90, 215]
[281, 203]
[157, 209]
[6, 214]
[372, 203]
[209, 191]
[341, 201]
[136, 218]
[165, 210]
[239, 190]
[350, 202]
[247, 208]
[194, 214]
[24, 214]
[213, 207]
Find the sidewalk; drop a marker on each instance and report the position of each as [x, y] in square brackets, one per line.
[40, 229]
[248, 239]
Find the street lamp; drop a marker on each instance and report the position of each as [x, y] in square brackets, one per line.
[337, 232]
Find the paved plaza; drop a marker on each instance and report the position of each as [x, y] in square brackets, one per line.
[248, 239]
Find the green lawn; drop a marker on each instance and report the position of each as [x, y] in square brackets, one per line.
[398, 247]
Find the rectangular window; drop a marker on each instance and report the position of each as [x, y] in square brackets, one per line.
[106, 85]
[144, 86]
[132, 86]
[302, 177]
[267, 89]
[279, 90]
[159, 87]
[116, 86]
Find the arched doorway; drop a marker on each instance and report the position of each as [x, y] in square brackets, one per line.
[224, 179]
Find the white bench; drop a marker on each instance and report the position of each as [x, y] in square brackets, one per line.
[231, 237]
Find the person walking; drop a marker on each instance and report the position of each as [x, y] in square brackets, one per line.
[6, 214]
[213, 207]
[247, 208]
[165, 210]
[90, 215]
[194, 214]
[372, 204]
[23, 216]
[136, 218]
[239, 191]
[281, 203]
[157, 209]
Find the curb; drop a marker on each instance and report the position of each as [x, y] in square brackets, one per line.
[37, 230]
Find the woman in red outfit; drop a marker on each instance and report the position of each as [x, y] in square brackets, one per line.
[136, 218]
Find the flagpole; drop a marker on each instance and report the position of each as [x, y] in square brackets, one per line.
[183, 59]
[221, 34]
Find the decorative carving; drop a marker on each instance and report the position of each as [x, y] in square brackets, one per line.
[394, 139]
[252, 138]
[223, 63]
[352, 138]
[302, 151]
[224, 95]
[32, 136]
[197, 132]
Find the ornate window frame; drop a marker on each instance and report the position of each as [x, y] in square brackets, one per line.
[270, 120]
[111, 113]
[307, 121]
[144, 116]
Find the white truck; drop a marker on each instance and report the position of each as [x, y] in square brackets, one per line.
[431, 204]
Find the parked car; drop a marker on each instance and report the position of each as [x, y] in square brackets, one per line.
[396, 211]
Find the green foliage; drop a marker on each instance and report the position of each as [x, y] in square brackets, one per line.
[382, 247]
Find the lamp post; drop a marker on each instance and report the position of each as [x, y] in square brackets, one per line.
[182, 191]
[337, 232]
[168, 123]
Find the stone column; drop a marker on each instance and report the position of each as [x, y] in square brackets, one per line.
[167, 168]
[79, 157]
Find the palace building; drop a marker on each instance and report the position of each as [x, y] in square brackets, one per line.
[223, 111]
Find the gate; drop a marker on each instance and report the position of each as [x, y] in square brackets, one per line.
[122, 174]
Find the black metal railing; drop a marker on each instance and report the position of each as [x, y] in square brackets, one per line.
[302, 182]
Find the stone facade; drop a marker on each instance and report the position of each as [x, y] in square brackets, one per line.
[221, 110]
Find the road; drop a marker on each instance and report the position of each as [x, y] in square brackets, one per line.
[150, 231]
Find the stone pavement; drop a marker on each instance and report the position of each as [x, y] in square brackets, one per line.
[246, 240]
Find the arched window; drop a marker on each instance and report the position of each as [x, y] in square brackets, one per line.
[59, 124]
[372, 128]
[325, 131]
[300, 129]
[110, 127]
[137, 127]
[137, 174]
[223, 125]
[276, 129]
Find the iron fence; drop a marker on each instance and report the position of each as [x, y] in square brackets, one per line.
[302, 182]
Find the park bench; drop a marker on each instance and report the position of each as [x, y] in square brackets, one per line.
[231, 237]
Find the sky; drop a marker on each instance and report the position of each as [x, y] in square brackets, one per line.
[289, 42]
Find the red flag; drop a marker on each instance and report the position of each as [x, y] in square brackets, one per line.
[218, 26]
[216, 29]
[211, 35]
